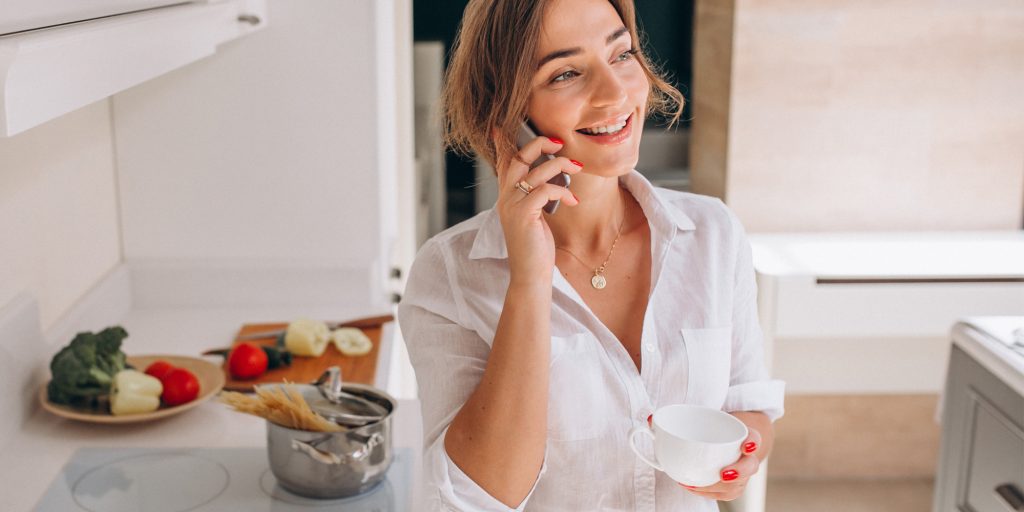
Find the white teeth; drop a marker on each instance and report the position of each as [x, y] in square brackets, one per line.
[605, 129]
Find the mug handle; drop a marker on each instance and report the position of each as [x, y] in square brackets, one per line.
[632, 435]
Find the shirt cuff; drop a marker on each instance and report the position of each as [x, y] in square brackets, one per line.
[765, 396]
[457, 491]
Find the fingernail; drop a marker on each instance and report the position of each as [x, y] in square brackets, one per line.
[649, 418]
[574, 197]
[750, 447]
[578, 164]
[556, 141]
[730, 474]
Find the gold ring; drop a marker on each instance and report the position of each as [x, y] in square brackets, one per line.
[524, 187]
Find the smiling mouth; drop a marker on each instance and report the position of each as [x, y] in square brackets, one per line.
[609, 135]
[609, 129]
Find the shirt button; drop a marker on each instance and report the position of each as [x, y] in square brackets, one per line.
[649, 347]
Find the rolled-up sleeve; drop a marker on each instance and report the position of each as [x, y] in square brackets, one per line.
[449, 360]
[751, 387]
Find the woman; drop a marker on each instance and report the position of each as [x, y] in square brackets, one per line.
[539, 340]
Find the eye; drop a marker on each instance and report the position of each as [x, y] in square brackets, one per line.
[627, 55]
[564, 76]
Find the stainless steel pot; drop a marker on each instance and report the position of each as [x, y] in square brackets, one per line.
[333, 464]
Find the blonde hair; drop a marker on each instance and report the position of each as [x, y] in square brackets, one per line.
[487, 84]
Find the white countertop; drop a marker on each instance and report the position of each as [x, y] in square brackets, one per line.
[34, 457]
[989, 340]
[891, 255]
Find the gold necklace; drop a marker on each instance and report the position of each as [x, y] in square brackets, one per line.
[599, 281]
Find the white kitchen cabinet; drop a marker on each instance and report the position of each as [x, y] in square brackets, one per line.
[49, 72]
[22, 15]
[981, 466]
[869, 313]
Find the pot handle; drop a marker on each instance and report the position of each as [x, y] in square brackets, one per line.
[330, 458]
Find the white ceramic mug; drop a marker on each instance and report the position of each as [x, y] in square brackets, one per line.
[692, 443]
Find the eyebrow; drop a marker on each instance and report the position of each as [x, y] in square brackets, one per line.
[569, 52]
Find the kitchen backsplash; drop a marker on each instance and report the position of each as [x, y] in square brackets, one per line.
[58, 210]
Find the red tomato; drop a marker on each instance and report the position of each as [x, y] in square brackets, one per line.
[247, 361]
[159, 369]
[180, 386]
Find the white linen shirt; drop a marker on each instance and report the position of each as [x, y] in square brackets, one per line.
[701, 344]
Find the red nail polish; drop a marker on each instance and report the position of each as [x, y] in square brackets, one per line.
[649, 418]
[574, 197]
[577, 164]
[750, 447]
[730, 474]
[556, 141]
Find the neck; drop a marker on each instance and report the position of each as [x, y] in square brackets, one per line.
[589, 228]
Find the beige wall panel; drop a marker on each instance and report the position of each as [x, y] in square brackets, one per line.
[709, 139]
[902, 116]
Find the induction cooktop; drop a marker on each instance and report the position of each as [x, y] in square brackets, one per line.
[202, 479]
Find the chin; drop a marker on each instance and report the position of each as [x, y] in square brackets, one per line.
[614, 168]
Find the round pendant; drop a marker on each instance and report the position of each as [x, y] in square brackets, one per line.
[598, 281]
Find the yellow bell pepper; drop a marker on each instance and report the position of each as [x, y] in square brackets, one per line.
[134, 392]
[351, 341]
[306, 337]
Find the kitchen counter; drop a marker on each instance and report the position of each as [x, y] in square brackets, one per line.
[35, 455]
[982, 417]
[989, 340]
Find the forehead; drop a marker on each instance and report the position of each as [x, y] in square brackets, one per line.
[576, 23]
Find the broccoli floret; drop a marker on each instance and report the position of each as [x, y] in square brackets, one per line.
[84, 369]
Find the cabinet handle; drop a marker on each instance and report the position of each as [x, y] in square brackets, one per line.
[1011, 495]
[251, 19]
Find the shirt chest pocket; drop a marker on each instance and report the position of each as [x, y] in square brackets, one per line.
[579, 401]
[709, 356]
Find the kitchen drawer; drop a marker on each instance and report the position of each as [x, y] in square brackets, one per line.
[982, 439]
[824, 307]
[996, 459]
[885, 285]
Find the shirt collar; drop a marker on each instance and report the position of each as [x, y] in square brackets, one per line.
[663, 215]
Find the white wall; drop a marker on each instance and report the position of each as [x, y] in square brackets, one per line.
[266, 151]
[58, 210]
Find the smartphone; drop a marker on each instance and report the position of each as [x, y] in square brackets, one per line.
[526, 134]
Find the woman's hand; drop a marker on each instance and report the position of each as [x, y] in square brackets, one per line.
[735, 475]
[531, 248]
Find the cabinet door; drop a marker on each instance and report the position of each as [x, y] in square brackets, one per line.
[981, 466]
[19, 15]
[995, 478]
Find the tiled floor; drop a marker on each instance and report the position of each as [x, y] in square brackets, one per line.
[850, 496]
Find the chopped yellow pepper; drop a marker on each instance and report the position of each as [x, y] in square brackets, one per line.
[134, 392]
[352, 341]
[306, 337]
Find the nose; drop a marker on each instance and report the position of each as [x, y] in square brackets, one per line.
[608, 89]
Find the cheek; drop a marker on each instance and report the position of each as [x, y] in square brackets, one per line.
[553, 114]
[639, 87]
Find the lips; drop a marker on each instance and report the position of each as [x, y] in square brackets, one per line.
[611, 125]
[610, 138]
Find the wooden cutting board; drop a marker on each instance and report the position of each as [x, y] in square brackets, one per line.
[305, 370]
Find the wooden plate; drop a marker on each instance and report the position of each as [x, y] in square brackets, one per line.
[211, 381]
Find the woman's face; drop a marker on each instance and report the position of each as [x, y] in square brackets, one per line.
[589, 91]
